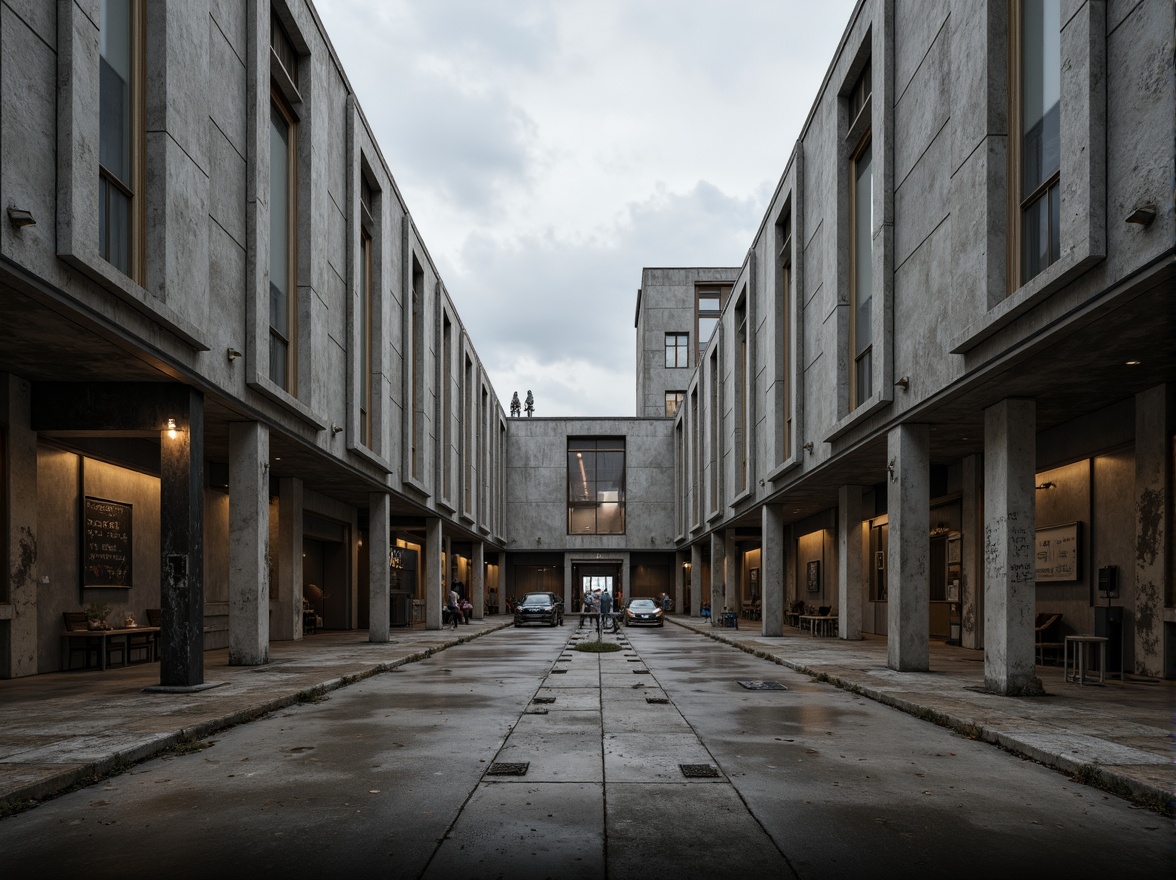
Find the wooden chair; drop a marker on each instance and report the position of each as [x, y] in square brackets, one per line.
[143, 643]
[76, 621]
[794, 611]
[1044, 636]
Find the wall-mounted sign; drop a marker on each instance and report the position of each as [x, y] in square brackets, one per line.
[106, 543]
[1057, 556]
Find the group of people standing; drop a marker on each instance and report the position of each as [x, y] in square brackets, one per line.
[458, 606]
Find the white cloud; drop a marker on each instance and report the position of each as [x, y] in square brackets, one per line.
[550, 149]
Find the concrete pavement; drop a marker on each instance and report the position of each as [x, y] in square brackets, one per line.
[62, 730]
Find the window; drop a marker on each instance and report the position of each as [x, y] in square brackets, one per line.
[283, 208]
[784, 325]
[417, 415]
[709, 307]
[742, 372]
[677, 350]
[596, 486]
[367, 339]
[673, 401]
[861, 247]
[121, 136]
[1036, 144]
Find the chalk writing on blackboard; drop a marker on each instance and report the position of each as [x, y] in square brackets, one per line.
[1057, 555]
[106, 543]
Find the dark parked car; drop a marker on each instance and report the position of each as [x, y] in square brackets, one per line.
[643, 612]
[539, 608]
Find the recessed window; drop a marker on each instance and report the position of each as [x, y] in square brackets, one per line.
[708, 307]
[677, 350]
[367, 340]
[282, 210]
[596, 486]
[673, 401]
[1036, 145]
[784, 323]
[861, 171]
[121, 135]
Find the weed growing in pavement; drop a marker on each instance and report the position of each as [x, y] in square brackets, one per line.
[187, 746]
[597, 647]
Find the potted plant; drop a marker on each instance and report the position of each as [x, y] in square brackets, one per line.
[96, 614]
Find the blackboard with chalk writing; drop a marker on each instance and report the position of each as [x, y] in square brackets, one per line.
[106, 543]
[1057, 558]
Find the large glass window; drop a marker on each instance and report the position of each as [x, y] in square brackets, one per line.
[784, 323]
[861, 249]
[710, 305]
[596, 486]
[1037, 147]
[366, 334]
[282, 271]
[120, 165]
[673, 401]
[677, 350]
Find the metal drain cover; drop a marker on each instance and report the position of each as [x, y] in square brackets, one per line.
[699, 771]
[763, 685]
[504, 769]
[657, 699]
[558, 671]
[543, 700]
[639, 671]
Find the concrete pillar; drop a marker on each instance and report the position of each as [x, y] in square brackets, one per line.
[734, 568]
[972, 553]
[379, 567]
[478, 580]
[1010, 456]
[567, 593]
[181, 533]
[18, 634]
[696, 580]
[288, 559]
[679, 581]
[433, 598]
[909, 502]
[1153, 566]
[851, 581]
[718, 574]
[772, 569]
[249, 587]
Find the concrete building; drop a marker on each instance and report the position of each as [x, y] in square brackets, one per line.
[937, 396]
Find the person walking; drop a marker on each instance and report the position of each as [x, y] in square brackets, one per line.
[605, 606]
[454, 608]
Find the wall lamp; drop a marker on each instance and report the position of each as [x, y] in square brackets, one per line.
[808, 447]
[233, 354]
[171, 429]
[1048, 484]
[1143, 215]
[904, 383]
[336, 429]
[20, 218]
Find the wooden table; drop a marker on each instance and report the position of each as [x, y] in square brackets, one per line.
[823, 622]
[103, 636]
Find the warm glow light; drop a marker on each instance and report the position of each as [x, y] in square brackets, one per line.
[171, 429]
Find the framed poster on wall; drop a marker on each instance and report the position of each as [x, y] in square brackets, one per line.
[753, 581]
[1057, 556]
[813, 578]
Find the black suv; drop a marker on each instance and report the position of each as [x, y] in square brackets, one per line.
[539, 608]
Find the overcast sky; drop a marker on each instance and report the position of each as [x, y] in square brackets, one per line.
[548, 150]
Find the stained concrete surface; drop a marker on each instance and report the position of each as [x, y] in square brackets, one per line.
[390, 771]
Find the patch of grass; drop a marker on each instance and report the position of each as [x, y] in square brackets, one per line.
[11, 808]
[597, 647]
[315, 695]
[187, 746]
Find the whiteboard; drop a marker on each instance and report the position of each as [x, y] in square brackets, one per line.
[1057, 556]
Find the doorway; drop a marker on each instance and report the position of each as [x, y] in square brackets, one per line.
[326, 575]
[589, 577]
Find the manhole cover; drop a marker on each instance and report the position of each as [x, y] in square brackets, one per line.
[657, 699]
[699, 771]
[543, 700]
[504, 769]
[763, 685]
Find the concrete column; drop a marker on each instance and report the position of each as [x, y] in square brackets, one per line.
[731, 597]
[679, 581]
[851, 581]
[249, 590]
[1153, 566]
[478, 580]
[20, 638]
[972, 553]
[772, 569]
[379, 567]
[909, 502]
[433, 598]
[287, 557]
[696, 580]
[568, 582]
[718, 574]
[181, 531]
[1010, 456]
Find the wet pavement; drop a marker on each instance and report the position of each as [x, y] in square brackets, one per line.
[62, 730]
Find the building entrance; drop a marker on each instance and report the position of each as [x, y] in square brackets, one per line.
[596, 576]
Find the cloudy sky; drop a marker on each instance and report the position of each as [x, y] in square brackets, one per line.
[548, 150]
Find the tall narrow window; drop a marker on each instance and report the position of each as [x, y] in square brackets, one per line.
[673, 401]
[120, 136]
[695, 456]
[417, 415]
[366, 329]
[677, 350]
[716, 423]
[742, 440]
[1036, 172]
[596, 486]
[784, 343]
[862, 246]
[283, 316]
[709, 307]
